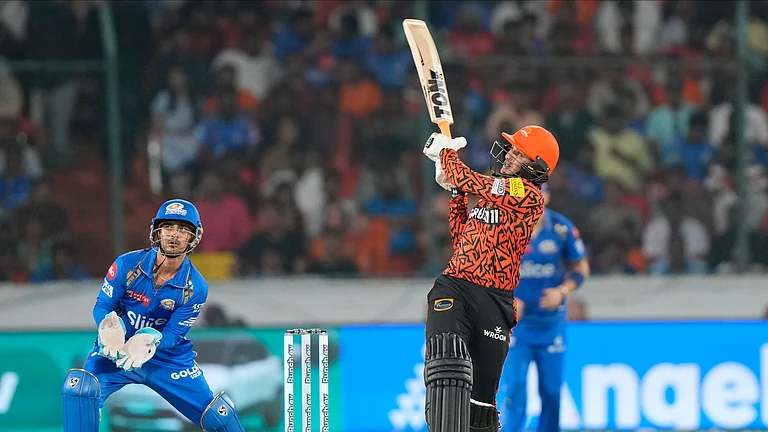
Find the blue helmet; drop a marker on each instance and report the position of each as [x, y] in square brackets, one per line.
[177, 210]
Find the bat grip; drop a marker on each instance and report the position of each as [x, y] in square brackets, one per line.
[445, 129]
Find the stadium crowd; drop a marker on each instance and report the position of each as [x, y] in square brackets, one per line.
[296, 128]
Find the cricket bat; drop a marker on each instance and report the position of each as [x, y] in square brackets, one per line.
[430, 71]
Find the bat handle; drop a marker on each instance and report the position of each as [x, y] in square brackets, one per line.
[445, 129]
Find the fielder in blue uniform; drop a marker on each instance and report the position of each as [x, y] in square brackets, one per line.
[554, 265]
[148, 302]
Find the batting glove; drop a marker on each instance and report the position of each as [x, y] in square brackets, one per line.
[437, 142]
[441, 178]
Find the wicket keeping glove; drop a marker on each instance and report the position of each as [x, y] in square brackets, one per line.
[441, 178]
[111, 335]
[437, 142]
[139, 349]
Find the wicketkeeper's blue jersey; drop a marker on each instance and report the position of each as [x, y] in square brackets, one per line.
[172, 309]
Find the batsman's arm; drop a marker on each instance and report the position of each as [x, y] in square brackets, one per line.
[112, 291]
[183, 318]
[512, 194]
[457, 216]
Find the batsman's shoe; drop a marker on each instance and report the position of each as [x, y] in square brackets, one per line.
[139, 349]
[111, 336]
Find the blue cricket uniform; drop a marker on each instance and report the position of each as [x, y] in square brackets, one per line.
[540, 334]
[129, 290]
[170, 310]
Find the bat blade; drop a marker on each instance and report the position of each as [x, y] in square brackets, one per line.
[430, 71]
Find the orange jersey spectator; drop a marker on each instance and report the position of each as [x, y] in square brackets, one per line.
[245, 102]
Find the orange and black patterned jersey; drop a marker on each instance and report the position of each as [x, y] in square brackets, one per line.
[489, 241]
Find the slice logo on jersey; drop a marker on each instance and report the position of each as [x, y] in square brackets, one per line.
[168, 304]
[530, 269]
[498, 187]
[547, 246]
[138, 297]
[443, 304]
[516, 187]
[73, 382]
[495, 334]
[107, 289]
[139, 321]
[175, 209]
[112, 272]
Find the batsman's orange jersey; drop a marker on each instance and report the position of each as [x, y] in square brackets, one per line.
[489, 241]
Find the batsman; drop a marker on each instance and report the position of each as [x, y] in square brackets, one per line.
[554, 265]
[150, 297]
[471, 307]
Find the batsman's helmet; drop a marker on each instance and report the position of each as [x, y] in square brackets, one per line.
[177, 210]
[533, 141]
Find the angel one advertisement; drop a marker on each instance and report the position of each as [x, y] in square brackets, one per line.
[663, 375]
[618, 376]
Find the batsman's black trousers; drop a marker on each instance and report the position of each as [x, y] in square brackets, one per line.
[484, 318]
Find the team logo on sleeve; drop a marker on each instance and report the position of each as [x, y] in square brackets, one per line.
[579, 246]
[443, 304]
[112, 272]
[562, 230]
[498, 187]
[168, 304]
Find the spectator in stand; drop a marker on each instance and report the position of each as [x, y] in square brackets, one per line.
[675, 243]
[621, 154]
[225, 82]
[402, 216]
[255, 69]
[228, 219]
[63, 267]
[668, 123]
[174, 115]
[227, 133]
